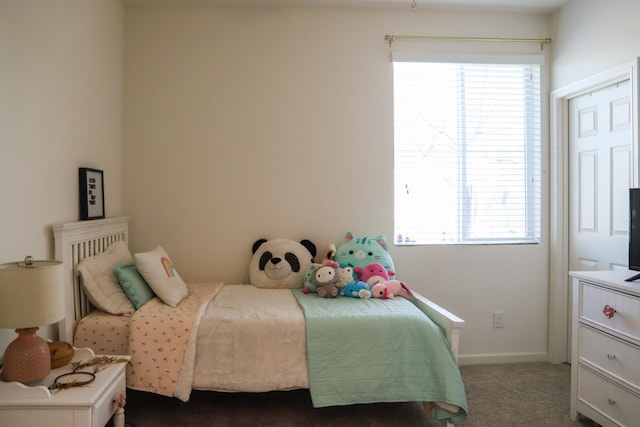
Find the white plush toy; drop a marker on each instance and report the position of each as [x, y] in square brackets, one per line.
[280, 263]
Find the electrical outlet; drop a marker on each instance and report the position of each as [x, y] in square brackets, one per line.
[498, 319]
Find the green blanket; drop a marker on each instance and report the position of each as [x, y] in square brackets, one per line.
[367, 351]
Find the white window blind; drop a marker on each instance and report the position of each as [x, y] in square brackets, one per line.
[467, 152]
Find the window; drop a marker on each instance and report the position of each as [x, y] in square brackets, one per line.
[467, 153]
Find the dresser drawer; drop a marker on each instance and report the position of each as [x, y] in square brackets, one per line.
[17, 416]
[608, 400]
[626, 319]
[618, 358]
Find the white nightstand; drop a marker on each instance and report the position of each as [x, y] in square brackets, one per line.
[85, 406]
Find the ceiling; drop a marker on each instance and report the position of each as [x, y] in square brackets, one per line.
[540, 6]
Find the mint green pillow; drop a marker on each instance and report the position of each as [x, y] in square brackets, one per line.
[133, 284]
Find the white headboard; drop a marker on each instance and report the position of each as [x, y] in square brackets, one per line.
[75, 241]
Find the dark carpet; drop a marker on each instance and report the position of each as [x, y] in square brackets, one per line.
[522, 394]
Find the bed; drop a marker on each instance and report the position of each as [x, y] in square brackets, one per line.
[239, 338]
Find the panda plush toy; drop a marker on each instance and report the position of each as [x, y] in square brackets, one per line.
[280, 263]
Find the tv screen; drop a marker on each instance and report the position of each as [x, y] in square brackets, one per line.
[634, 232]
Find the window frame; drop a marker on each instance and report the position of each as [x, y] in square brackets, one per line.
[532, 211]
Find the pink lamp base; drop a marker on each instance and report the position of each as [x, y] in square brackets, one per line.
[27, 359]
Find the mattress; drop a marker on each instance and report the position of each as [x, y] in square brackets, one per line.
[104, 333]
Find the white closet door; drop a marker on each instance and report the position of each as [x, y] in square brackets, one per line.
[600, 175]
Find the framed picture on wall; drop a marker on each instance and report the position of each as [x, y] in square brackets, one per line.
[91, 194]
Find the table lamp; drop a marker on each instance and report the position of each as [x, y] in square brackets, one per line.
[31, 295]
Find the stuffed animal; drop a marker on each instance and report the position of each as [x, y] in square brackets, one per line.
[373, 273]
[280, 263]
[362, 251]
[347, 275]
[329, 254]
[308, 286]
[357, 289]
[326, 279]
[391, 289]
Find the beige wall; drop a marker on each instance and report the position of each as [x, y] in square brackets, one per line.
[591, 36]
[60, 109]
[240, 124]
[249, 123]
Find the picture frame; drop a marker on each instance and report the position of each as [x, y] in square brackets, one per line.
[91, 194]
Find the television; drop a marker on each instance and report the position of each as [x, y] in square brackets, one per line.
[634, 232]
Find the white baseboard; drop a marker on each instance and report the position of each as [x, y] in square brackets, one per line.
[486, 359]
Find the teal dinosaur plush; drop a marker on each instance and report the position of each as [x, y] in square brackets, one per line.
[358, 252]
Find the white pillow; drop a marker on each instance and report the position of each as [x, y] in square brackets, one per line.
[101, 283]
[157, 269]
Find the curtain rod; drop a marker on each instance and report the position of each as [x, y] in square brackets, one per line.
[392, 38]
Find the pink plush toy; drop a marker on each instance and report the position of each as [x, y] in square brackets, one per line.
[391, 289]
[373, 273]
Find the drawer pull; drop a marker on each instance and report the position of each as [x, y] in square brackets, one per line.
[611, 401]
[611, 356]
[608, 311]
[120, 401]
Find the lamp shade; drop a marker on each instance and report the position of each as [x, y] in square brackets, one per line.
[31, 294]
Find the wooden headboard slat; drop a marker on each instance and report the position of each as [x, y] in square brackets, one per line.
[75, 241]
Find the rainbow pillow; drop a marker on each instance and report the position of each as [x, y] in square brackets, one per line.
[158, 271]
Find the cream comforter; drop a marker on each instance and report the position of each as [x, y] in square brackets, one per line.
[248, 340]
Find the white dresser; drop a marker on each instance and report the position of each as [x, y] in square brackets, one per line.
[605, 360]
